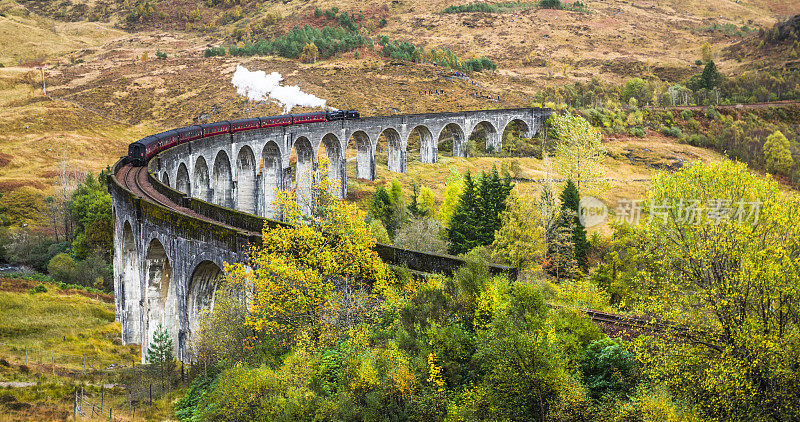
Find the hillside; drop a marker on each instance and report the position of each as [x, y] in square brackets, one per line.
[106, 87]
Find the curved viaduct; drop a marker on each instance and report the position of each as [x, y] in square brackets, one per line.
[200, 204]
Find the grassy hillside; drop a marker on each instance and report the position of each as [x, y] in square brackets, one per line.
[106, 87]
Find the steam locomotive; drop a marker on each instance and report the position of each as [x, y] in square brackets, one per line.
[142, 150]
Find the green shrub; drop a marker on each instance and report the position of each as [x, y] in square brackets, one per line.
[161, 55]
[608, 369]
[382, 23]
[686, 114]
[214, 51]
[673, 131]
[39, 288]
[550, 4]
[62, 267]
[637, 131]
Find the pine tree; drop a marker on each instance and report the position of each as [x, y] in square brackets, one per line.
[414, 207]
[478, 213]
[159, 353]
[710, 77]
[462, 230]
[570, 200]
[381, 208]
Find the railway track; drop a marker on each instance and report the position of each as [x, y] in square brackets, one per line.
[135, 180]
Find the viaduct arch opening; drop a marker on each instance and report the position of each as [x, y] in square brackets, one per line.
[182, 180]
[130, 286]
[246, 192]
[359, 148]
[201, 181]
[485, 137]
[451, 141]
[330, 147]
[271, 176]
[421, 136]
[223, 180]
[303, 161]
[160, 293]
[202, 286]
[396, 154]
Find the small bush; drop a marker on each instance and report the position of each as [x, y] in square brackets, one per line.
[550, 4]
[673, 131]
[39, 288]
[382, 23]
[637, 132]
[161, 55]
[214, 51]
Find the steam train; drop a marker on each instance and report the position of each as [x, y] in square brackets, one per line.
[142, 150]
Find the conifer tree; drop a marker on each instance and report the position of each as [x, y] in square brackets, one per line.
[477, 215]
[462, 230]
[159, 353]
[570, 200]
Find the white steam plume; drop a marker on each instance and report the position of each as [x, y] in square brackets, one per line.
[258, 86]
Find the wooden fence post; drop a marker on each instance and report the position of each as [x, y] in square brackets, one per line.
[75, 406]
[53, 360]
[26, 355]
[84, 364]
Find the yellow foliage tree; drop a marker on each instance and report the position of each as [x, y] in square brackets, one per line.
[579, 153]
[520, 240]
[312, 278]
[724, 266]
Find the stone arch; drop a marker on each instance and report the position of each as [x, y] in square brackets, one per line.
[222, 180]
[202, 184]
[427, 147]
[271, 173]
[396, 151]
[182, 183]
[160, 300]
[130, 287]
[332, 149]
[246, 190]
[165, 178]
[518, 125]
[202, 286]
[303, 172]
[365, 159]
[485, 133]
[452, 138]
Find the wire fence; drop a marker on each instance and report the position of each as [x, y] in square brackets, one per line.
[132, 386]
[64, 363]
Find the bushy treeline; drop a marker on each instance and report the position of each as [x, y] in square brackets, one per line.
[67, 235]
[329, 41]
[708, 87]
[505, 7]
[766, 138]
[404, 50]
[502, 7]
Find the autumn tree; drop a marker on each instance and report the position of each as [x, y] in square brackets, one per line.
[520, 240]
[313, 277]
[777, 154]
[579, 153]
[310, 53]
[388, 207]
[707, 52]
[724, 268]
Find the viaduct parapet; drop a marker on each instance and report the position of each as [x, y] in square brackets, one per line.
[201, 204]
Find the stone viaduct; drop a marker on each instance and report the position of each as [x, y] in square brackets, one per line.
[201, 204]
